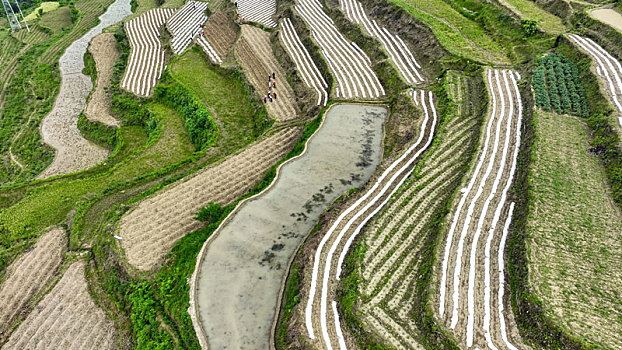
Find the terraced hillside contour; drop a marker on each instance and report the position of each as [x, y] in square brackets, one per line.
[351, 67]
[254, 51]
[397, 49]
[322, 319]
[185, 24]
[67, 318]
[28, 276]
[103, 48]
[395, 239]
[219, 37]
[574, 230]
[608, 69]
[146, 61]
[469, 274]
[59, 127]
[258, 11]
[150, 230]
[308, 70]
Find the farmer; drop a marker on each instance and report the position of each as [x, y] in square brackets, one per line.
[273, 75]
[269, 77]
[274, 95]
[265, 98]
[274, 84]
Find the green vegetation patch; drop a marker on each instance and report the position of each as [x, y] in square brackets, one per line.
[50, 204]
[574, 228]
[57, 20]
[526, 9]
[558, 86]
[45, 7]
[240, 116]
[457, 33]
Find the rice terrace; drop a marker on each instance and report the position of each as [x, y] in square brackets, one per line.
[311, 174]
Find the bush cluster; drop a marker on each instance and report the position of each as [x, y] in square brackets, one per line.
[558, 86]
[197, 120]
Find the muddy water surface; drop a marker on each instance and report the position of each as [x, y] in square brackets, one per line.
[244, 265]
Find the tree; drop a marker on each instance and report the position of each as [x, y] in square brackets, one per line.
[530, 27]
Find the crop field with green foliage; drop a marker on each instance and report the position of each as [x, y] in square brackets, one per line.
[491, 222]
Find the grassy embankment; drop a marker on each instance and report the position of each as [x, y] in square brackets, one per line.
[477, 30]
[526, 9]
[44, 7]
[460, 35]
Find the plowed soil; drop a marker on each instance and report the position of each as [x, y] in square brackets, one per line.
[67, 318]
[470, 305]
[104, 50]
[255, 54]
[221, 33]
[28, 276]
[151, 229]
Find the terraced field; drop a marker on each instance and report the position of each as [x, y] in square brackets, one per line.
[27, 276]
[526, 9]
[608, 69]
[185, 24]
[151, 229]
[254, 51]
[59, 127]
[458, 34]
[398, 51]
[394, 239]
[332, 250]
[220, 35]
[67, 318]
[305, 66]
[14, 45]
[468, 276]
[89, 14]
[350, 66]
[104, 50]
[574, 227]
[258, 11]
[146, 61]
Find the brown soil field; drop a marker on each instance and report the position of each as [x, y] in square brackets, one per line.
[150, 230]
[395, 238]
[469, 304]
[255, 54]
[220, 31]
[103, 47]
[67, 318]
[28, 276]
[574, 248]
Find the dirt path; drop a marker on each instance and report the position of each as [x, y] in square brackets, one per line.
[59, 128]
[150, 230]
[28, 276]
[321, 317]
[67, 318]
[255, 53]
[471, 298]
[242, 267]
[103, 47]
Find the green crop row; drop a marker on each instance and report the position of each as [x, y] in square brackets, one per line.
[558, 86]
